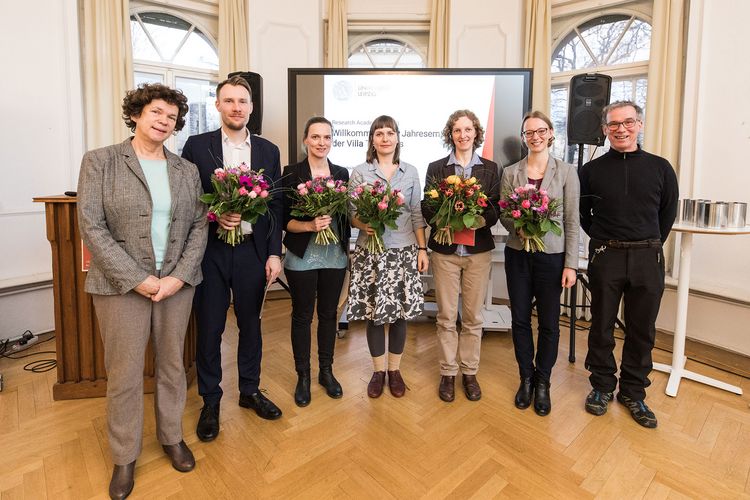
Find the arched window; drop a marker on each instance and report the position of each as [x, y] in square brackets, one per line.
[173, 51]
[385, 52]
[614, 44]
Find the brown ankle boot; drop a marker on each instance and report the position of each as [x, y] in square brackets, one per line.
[122, 481]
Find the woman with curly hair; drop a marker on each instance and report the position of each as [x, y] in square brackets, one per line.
[141, 218]
[462, 269]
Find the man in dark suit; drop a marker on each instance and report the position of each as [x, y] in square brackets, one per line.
[244, 269]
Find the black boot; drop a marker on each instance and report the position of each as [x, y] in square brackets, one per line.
[524, 394]
[542, 403]
[302, 391]
[327, 380]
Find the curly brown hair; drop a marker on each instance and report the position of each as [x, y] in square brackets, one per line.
[135, 100]
[453, 118]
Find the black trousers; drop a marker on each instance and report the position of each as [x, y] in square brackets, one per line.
[240, 271]
[635, 275]
[534, 275]
[305, 287]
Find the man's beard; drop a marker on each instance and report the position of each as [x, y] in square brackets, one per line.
[234, 126]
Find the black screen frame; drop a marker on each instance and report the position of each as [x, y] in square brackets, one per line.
[294, 143]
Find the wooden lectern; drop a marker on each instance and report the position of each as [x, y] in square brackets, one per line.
[80, 353]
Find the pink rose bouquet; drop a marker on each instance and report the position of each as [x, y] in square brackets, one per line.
[379, 206]
[237, 189]
[532, 212]
[321, 196]
[458, 204]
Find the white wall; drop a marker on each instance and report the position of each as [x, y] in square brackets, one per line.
[288, 33]
[41, 145]
[714, 165]
[486, 34]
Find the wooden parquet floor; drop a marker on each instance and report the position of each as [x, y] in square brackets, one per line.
[414, 447]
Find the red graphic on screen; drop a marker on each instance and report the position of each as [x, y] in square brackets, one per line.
[489, 130]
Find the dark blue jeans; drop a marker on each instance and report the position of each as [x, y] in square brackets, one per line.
[532, 276]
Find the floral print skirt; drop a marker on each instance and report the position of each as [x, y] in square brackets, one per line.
[385, 287]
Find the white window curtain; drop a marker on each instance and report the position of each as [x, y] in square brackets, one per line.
[107, 70]
[337, 38]
[665, 80]
[538, 50]
[437, 51]
[234, 47]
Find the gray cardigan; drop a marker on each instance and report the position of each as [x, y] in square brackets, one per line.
[114, 215]
[560, 181]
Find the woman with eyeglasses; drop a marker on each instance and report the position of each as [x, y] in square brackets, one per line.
[540, 276]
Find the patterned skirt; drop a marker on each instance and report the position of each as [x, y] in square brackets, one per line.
[385, 287]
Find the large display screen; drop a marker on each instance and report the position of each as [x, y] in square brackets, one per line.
[419, 100]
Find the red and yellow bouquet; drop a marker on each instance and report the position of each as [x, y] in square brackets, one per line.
[237, 189]
[458, 204]
[321, 196]
[532, 211]
[379, 206]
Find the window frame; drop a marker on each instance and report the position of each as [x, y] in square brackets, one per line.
[414, 34]
[169, 71]
[627, 71]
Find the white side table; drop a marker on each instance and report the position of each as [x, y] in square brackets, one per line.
[677, 369]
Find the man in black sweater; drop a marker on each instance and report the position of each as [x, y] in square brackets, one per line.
[628, 205]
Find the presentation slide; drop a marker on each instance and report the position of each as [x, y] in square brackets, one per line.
[420, 102]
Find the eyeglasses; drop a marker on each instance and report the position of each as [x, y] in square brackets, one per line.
[541, 132]
[628, 124]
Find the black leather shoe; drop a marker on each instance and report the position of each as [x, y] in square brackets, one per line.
[208, 423]
[327, 380]
[302, 391]
[181, 456]
[263, 406]
[122, 481]
[542, 403]
[524, 394]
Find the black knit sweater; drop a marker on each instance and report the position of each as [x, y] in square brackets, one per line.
[628, 196]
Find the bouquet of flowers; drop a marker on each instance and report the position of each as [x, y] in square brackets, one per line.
[379, 206]
[321, 196]
[532, 212]
[237, 189]
[458, 204]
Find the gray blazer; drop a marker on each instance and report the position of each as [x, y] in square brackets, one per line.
[114, 216]
[560, 181]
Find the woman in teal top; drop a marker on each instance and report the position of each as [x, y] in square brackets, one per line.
[141, 217]
[314, 271]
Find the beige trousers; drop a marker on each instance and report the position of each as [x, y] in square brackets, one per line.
[468, 277]
[126, 323]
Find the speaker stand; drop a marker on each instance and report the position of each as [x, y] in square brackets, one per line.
[580, 158]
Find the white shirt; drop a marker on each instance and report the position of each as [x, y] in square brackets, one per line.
[234, 155]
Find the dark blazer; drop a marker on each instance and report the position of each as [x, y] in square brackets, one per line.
[205, 151]
[488, 176]
[114, 214]
[294, 175]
